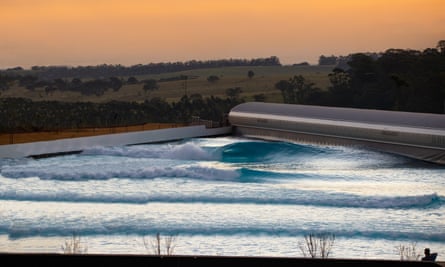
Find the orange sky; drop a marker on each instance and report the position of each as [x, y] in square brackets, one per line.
[84, 32]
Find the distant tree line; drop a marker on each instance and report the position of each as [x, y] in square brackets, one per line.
[402, 80]
[106, 70]
[96, 80]
[24, 115]
[88, 87]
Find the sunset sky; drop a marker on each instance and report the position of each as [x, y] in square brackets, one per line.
[85, 32]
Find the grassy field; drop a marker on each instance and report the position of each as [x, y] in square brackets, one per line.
[263, 82]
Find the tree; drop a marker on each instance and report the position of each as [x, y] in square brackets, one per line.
[401, 86]
[212, 78]
[28, 81]
[286, 93]
[441, 46]
[327, 60]
[61, 84]
[5, 82]
[340, 89]
[76, 83]
[405, 80]
[115, 83]
[250, 74]
[50, 89]
[296, 90]
[233, 93]
[183, 109]
[150, 85]
[94, 87]
[259, 97]
[132, 80]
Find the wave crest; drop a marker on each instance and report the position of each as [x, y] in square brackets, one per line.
[103, 173]
[18, 231]
[186, 151]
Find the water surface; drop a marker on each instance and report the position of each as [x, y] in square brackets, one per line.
[223, 196]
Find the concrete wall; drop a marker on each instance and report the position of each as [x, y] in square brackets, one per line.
[78, 144]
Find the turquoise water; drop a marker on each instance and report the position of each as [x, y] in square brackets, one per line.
[223, 196]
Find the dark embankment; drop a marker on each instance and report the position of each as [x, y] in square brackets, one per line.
[21, 259]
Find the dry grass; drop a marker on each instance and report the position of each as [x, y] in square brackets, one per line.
[74, 246]
[263, 82]
[408, 252]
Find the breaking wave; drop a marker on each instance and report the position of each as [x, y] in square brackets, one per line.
[109, 171]
[21, 231]
[248, 187]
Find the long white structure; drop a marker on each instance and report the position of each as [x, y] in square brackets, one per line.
[415, 135]
[72, 145]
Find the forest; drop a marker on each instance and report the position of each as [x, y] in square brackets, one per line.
[400, 80]
[397, 79]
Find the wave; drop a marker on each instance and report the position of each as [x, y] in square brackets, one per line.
[310, 156]
[262, 151]
[180, 151]
[244, 151]
[227, 195]
[17, 231]
[157, 162]
[109, 171]
[123, 161]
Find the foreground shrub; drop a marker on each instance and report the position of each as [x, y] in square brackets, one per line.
[157, 243]
[74, 246]
[317, 245]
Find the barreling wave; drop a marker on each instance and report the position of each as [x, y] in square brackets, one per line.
[261, 151]
[306, 155]
[100, 163]
[246, 151]
[147, 162]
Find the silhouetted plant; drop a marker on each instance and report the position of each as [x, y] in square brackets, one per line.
[157, 243]
[317, 245]
[408, 252]
[74, 245]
